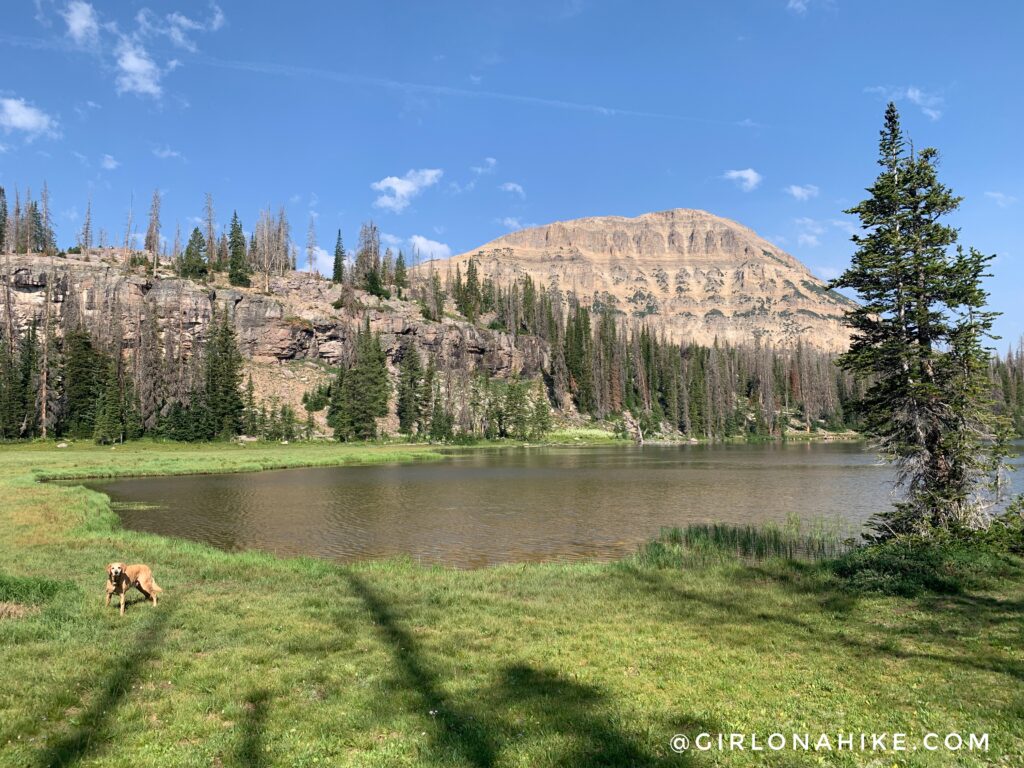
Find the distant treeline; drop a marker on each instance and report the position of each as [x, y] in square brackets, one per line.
[603, 364]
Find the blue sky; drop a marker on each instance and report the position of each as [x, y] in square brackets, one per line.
[450, 123]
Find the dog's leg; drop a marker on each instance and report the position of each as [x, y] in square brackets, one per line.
[145, 594]
[107, 603]
[122, 602]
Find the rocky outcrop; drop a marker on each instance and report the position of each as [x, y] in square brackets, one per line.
[695, 275]
[295, 323]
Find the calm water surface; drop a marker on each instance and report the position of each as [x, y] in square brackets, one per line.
[511, 505]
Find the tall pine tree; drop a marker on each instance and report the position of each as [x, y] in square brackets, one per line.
[918, 338]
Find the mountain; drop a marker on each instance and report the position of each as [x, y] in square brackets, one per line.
[695, 275]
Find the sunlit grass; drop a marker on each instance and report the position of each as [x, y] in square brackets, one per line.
[252, 660]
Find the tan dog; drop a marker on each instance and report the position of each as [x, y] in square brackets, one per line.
[121, 578]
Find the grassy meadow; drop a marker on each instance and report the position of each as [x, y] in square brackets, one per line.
[252, 660]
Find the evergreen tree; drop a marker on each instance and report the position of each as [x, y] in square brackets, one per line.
[364, 390]
[410, 381]
[28, 384]
[540, 416]
[337, 407]
[918, 339]
[238, 265]
[516, 411]
[441, 420]
[10, 394]
[223, 378]
[108, 424]
[338, 273]
[193, 262]
[401, 279]
[250, 415]
[83, 368]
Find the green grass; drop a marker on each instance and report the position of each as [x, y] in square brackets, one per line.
[251, 660]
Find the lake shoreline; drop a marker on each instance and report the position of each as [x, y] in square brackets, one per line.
[397, 655]
[479, 506]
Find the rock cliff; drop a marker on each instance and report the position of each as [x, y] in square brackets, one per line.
[289, 336]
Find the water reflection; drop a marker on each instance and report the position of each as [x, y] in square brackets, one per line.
[490, 506]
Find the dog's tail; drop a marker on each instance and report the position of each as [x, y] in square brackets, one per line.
[157, 587]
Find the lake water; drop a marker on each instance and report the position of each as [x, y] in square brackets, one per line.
[486, 506]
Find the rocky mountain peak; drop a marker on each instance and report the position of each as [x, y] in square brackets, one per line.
[696, 275]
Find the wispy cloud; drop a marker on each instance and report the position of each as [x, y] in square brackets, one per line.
[797, 6]
[511, 222]
[109, 162]
[428, 248]
[809, 232]
[179, 28]
[137, 72]
[930, 104]
[1001, 199]
[845, 225]
[166, 153]
[287, 70]
[83, 23]
[801, 191]
[399, 191]
[488, 166]
[18, 115]
[748, 179]
[514, 188]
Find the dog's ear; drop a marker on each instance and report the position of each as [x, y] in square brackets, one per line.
[110, 570]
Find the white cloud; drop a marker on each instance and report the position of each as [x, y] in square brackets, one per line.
[323, 262]
[430, 249]
[511, 222]
[802, 191]
[930, 104]
[845, 225]
[797, 6]
[516, 189]
[18, 115]
[137, 72]
[809, 232]
[83, 23]
[748, 179]
[1001, 199]
[177, 27]
[487, 166]
[389, 239]
[166, 153]
[109, 163]
[403, 189]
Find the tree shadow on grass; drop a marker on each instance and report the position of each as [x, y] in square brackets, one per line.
[137, 649]
[463, 732]
[724, 612]
[578, 714]
[249, 752]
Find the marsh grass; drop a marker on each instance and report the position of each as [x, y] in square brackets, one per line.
[707, 543]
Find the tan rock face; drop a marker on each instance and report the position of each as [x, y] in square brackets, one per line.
[288, 336]
[696, 275]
